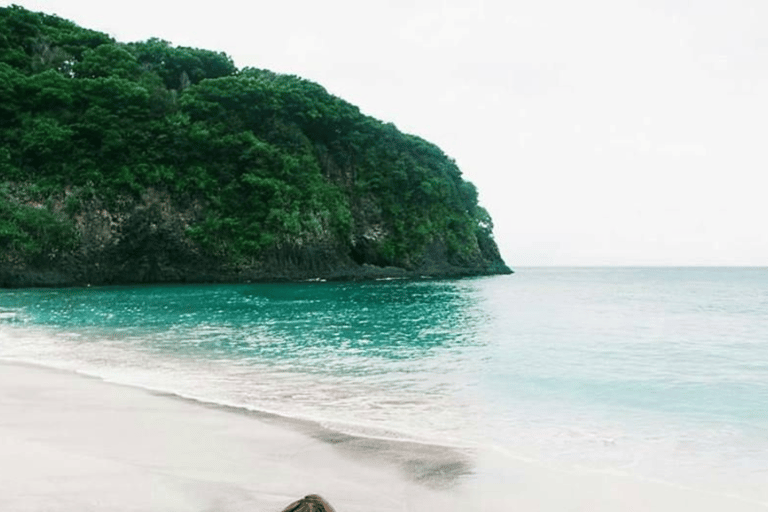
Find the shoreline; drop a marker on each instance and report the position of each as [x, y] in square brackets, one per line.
[13, 279]
[431, 465]
[72, 442]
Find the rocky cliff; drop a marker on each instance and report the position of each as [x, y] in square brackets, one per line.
[144, 162]
[146, 240]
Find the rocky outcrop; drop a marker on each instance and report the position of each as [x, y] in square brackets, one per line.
[147, 241]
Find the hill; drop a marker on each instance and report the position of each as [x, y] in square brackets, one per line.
[145, 162]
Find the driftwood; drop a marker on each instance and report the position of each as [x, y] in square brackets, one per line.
[311, 503]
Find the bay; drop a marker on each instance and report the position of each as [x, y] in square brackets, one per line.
[655, 373]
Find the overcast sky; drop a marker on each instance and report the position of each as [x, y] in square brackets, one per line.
[598, 132]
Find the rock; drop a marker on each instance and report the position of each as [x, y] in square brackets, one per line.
[311, 503]
[146, 240]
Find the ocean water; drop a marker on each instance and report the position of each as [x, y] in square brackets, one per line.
[654, 373]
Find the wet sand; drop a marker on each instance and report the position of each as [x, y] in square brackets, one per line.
[74, 443]
[71, 443]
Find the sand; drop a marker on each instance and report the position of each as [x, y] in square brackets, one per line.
[75, 443]
[71, 443]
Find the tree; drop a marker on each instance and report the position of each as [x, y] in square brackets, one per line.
[107, 60]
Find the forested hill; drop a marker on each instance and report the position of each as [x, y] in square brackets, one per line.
[145, 162]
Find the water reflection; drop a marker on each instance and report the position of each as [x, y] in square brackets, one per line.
[391, 320]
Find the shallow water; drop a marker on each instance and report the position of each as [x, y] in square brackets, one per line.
[654, 373]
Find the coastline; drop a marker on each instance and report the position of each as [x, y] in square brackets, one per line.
[72, 276]
[70, 442]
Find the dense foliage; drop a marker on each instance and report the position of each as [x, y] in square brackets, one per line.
[275, 159]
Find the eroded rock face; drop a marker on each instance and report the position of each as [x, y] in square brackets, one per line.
[140, 241]
[146, 240]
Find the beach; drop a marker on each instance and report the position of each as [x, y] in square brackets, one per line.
[75, 443]
[557, 390]
[70, 443]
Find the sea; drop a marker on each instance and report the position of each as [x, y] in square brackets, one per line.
[654, 373]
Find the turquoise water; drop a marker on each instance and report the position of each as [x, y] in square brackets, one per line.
[657, 373]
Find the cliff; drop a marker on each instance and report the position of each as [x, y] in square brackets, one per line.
[144, 162]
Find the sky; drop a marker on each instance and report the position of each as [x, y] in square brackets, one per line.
[598, 132]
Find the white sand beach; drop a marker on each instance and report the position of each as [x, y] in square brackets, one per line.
[73, 443]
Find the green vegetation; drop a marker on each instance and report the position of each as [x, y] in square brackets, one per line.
[33, 230]
[275, 159]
